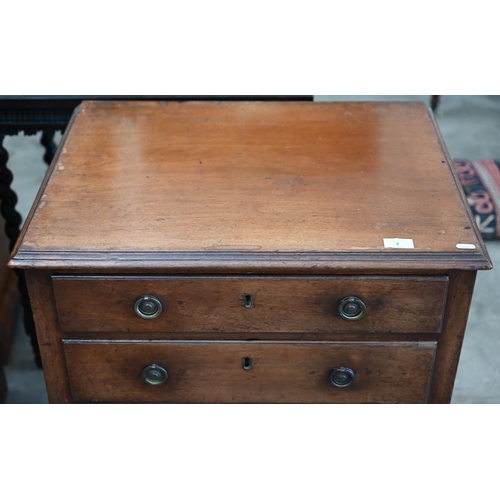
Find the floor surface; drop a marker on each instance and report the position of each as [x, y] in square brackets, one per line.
[471, 128]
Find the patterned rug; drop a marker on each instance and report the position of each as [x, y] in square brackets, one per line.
[481, 182]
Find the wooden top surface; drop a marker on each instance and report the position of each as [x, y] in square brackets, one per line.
[148, 183]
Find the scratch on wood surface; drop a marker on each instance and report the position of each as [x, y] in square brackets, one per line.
[234, 247]
[367, 248]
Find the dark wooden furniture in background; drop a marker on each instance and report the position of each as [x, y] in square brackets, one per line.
[31, 114]
[3, 385]
[435, 100]
[9, 298]
[251, 252]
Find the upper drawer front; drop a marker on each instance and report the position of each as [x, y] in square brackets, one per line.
[249, 372]
[277, 304]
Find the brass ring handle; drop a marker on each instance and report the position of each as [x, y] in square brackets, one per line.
[154, 375]
[351, 308]
[148, 307]
[342, 377]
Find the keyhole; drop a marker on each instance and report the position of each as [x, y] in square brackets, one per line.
[247, 363]
[248, 301]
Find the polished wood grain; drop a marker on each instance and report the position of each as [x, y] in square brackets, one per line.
[201, 203]
[49, 336]
[450, 344]
[214, 182]
[280, 305]
[281, 372]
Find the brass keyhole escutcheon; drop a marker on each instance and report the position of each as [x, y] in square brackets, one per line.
[247, 363]
[248, 300]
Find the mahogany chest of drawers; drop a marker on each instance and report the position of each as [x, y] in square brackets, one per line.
[250, 252]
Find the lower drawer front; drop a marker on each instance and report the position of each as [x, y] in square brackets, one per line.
[249, 372]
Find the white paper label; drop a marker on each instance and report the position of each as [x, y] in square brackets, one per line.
[466, 246]
[398, 243]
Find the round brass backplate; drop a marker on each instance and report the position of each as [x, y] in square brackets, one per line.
[351, 308]
[148, 307]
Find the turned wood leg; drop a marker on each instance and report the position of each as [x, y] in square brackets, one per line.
[13, 219]
[8, 199]
[47, 141]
